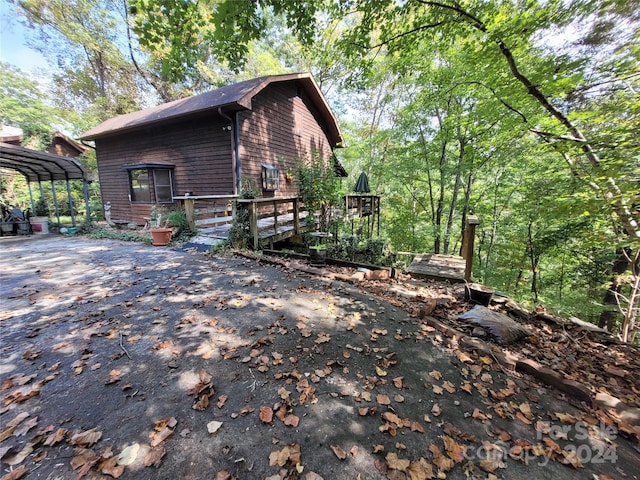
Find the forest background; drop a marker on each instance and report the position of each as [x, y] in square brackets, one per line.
[525, 113]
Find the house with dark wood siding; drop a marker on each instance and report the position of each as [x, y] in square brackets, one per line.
[210, 144]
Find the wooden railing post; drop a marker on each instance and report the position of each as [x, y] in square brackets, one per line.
[253, 222]
[275, 217]
[189, 209]
[296, 217]
[467, 245]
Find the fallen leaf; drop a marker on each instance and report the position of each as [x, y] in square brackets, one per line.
[55, 437]
[266, 414]
[420, 470]
[397, 463]
[164, 429]
[436, 410]
[339, 452]
[398, 382]
[455, 451]
[322, 338]
[435, 374]
[383, 399]
[380, 372]
[17, 458]
[154, 456]
[15, 474]
[443, 463]
[416, 427]
[449, 387]
[83, 459]
[354, 451]
[291, 420]
[86, 438]
[25, 427]
[128, 454]
[31, 354]
[114, 376]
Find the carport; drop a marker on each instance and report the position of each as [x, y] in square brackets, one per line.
[45, 167]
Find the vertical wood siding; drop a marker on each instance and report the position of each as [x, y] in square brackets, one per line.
[198, 148]
[280, 129]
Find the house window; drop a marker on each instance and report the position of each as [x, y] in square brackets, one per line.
[151, 185]
[270, 178]
[139, 183]
[162, 182]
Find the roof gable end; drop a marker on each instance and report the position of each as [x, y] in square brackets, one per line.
[237, 96]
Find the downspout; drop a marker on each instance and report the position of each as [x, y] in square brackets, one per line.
[234, 150]
[236, 133]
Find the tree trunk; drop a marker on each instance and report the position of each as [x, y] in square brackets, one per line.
[534, 259]
[454, 195]
[608, 315]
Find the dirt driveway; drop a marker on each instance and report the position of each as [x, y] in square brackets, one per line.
[124, 360]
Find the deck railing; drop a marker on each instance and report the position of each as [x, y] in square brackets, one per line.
[204, 211]
[274, 218]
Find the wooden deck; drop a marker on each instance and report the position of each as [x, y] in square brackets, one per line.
[439, 267]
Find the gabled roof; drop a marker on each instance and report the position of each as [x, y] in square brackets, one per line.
[232, 97]
[62, 138]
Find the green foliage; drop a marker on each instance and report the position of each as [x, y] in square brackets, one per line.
[41, 208]
[373, 251]
[239, 233]
[107, 233]
[319, 190]
[22, 105]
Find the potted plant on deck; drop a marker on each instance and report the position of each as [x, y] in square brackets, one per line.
[40, 219]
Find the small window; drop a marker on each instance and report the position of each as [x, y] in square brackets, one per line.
[151, 185]
[270, 178]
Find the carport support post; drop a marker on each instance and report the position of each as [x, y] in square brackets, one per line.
[55, 201]
[73, 214]
[85, 190]
[33, 205]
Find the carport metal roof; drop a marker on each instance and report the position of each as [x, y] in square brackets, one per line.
[40, 166]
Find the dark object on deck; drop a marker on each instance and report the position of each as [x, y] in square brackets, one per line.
[362, 185]
[317, 257]
[478, 294]
[503, 328]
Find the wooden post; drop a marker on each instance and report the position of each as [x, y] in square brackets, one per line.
[467, 245]
[189, 211]
[275, 217]
[296, 217]
[253, 221]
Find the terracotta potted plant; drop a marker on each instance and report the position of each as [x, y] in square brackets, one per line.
[160, 233]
